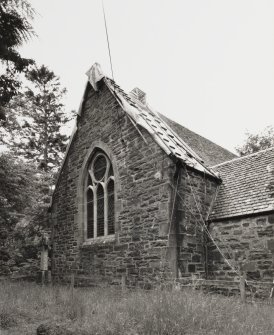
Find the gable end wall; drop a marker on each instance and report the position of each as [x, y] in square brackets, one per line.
[143, 199]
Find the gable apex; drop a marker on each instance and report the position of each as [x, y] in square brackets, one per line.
[95, 74]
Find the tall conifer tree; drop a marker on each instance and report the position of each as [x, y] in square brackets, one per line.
[43, 114]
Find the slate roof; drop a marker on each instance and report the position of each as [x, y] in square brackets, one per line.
[162, 133]
[248, 185]
[177, 136]
[210, 152]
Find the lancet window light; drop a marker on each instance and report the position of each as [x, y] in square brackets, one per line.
[100, 198]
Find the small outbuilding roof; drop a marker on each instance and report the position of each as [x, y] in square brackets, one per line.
[248, 185]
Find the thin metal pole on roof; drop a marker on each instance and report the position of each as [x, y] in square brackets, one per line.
[110, 60]
[107, 39]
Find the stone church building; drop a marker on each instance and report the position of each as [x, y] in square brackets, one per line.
[142, 200]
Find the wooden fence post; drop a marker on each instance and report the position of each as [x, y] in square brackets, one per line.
[49, 277]
[242, 287]
[72, 281]
[43, 277]
[272, 291]
[123, 282]
[44, 263]
[44, 257]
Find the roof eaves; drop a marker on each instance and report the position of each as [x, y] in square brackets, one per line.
[220, 217]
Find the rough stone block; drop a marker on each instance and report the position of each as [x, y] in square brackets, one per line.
[249, 266]
[191, 268]
[270, 245]
[261, 222]
[196, 258]
[215, 255]
[253, 275]
[185, 256]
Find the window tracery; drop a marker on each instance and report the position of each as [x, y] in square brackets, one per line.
[100, 197]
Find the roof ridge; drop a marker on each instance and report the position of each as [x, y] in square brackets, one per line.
[242, 157]
[194, 132]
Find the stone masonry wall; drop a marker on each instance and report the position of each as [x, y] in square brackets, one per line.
[143, 199]
[248, 244]
[196, 193]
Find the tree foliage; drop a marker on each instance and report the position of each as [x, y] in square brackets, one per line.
[40, 117]
[15, 29]
[30, 124]
[257, 142]
[24, 192]
[24, 197]
[17, 191]
[31, 133]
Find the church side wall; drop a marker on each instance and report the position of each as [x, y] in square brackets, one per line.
[143, 173]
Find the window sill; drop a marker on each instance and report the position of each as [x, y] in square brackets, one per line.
[104, 240]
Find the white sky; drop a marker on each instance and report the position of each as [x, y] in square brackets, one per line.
[208, 65]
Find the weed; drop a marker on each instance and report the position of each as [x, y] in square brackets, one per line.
[7, 319]
[113, 311]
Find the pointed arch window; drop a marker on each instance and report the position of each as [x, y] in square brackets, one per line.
[100, 197]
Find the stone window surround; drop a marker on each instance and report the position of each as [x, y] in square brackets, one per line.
[80, 217]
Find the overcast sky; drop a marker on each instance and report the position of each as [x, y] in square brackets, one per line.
[208, 65]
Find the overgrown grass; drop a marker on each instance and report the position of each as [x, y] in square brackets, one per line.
[24, 306]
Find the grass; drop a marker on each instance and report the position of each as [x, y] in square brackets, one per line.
[24, 306]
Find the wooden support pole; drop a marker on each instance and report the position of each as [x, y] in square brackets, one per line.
[242, 287]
